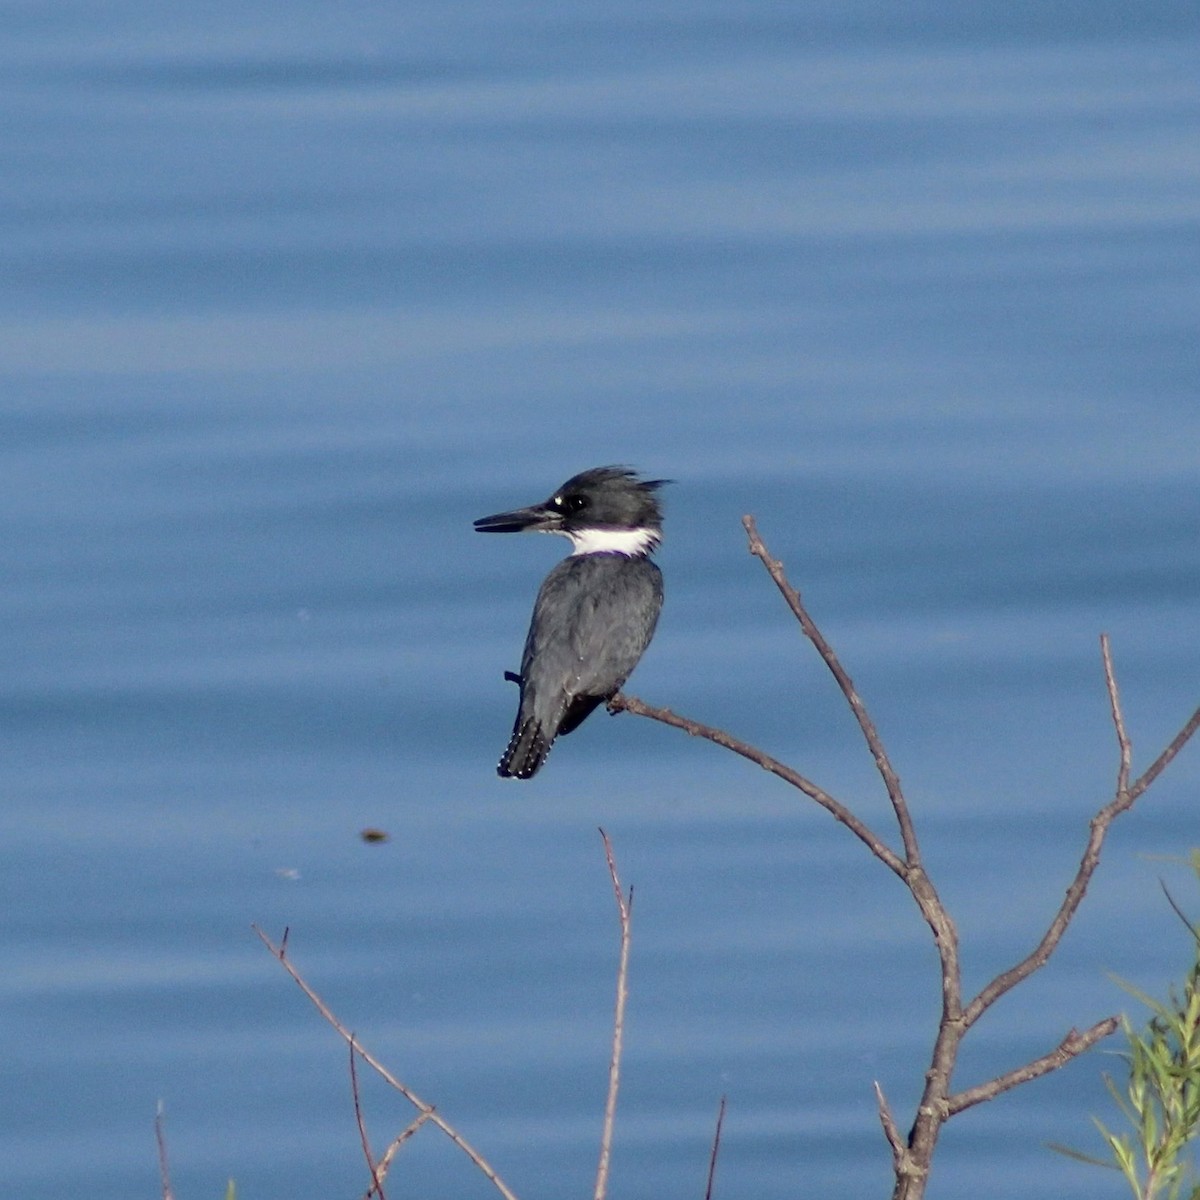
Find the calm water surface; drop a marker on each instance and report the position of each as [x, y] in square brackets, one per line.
[291, 295]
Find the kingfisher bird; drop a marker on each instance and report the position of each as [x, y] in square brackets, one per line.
[595, 612]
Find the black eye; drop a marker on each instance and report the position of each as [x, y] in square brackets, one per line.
[568, 504]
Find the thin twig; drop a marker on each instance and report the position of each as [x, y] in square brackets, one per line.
[716, 1149]
[624, 905]
[164, 1170]
[376, 1187]
[1074, 1044]
[1124, 748]
[1156, 768]
[890, 1130]
[428, 1110]
[396, 1143]
[623, 703]
[891, 781]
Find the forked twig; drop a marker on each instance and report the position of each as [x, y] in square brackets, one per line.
[427, 1110]
[624, 906]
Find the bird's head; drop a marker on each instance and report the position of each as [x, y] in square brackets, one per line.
[602, 510]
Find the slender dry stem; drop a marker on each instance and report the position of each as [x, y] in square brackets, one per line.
[160, 1138]
[716, 1149]
[624, 908]
[376, 1188]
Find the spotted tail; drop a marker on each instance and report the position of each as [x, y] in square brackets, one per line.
[526, 752]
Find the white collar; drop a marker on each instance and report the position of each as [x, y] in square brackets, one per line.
[631, 542]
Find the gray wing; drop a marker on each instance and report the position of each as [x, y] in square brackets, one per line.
[592, 621]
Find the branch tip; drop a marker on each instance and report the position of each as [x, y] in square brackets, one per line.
[890, 1129]
[716, 1147]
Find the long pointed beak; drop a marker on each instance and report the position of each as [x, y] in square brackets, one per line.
[537, 519]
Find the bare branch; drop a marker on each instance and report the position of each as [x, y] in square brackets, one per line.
[623, 703]
[716, 1149]
[160, 1137]
[1098, 831]
[427, 1110]
[624, 904]
[1070, 1047]
[376, 1188]
[891, 781]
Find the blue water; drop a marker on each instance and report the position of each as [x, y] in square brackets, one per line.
[291, 294]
